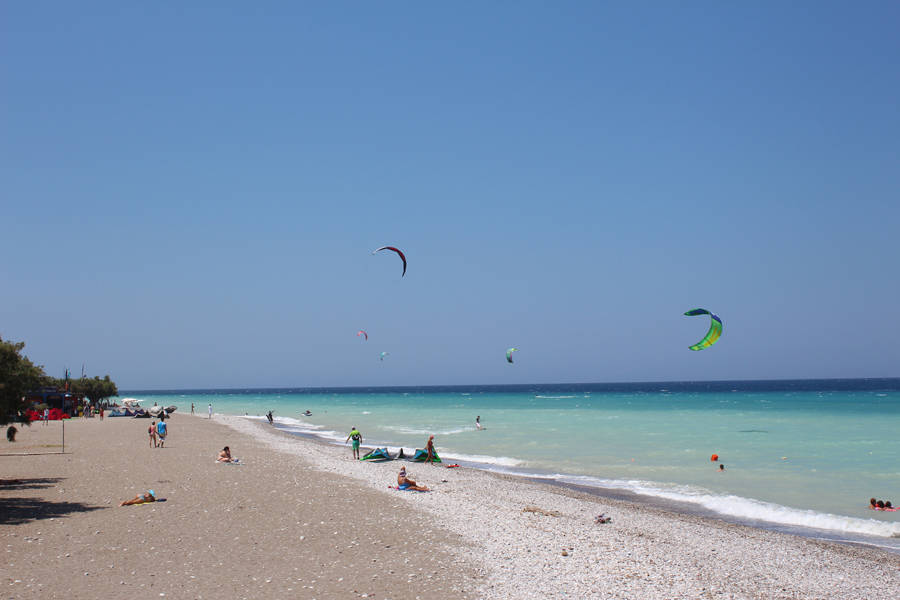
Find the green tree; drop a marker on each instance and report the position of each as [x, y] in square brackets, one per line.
[95, 389]
[18, 376]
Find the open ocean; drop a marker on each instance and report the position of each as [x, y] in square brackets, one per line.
[800, 456]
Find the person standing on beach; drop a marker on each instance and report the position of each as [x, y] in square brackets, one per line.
[430, 448]
[209, 409]
[151, 431]
[356, 436]
[101, 413]
[46, 415]
[478, 422]
[161, 432]
[192, 408]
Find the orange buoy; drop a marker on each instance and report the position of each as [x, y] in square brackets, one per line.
[714, 457]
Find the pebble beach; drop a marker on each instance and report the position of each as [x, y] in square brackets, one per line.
[301, 518]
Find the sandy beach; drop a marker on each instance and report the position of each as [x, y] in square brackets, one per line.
[271, 528]
[302, 519]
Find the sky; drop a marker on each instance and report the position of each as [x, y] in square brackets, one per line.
[190, 194]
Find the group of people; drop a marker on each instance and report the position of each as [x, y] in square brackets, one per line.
[881, 505]
[356, 437]
[90, 410]
[403, 482]
[158, 432]
[208, 410]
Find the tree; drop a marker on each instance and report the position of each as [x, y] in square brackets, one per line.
[18, 376]
[96, 390]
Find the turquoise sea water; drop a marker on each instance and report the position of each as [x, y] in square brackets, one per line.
[797, 454]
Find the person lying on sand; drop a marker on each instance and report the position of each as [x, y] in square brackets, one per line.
[225, 456]
[405, 483]
[148, 496]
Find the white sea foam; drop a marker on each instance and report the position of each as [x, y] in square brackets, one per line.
[366, 412]
[554, 397]
[502, 461]
[737, 506]
[412, 431]
[725, 504]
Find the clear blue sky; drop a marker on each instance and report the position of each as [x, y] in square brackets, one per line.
[189, 195]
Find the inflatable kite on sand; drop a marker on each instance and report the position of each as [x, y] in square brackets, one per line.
[399, 253]
[715, 328]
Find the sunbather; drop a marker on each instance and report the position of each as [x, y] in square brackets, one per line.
[148, 496]
[405, 483]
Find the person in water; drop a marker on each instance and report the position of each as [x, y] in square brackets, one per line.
[478, 422]
[269, 417]
[430, 448]
[721, 468]
[405, 483]
[307, 413]
[356, 436]
[225, 456]
[148, 496]
[873, 503]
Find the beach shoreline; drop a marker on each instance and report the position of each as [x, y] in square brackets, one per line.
[489, 511]
[636, 498]
[302, 518]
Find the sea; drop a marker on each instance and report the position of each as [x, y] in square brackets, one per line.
[800, 456]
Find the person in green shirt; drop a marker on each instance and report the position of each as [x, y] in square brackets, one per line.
[356, 436]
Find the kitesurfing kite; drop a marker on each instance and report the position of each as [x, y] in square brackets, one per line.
[383, 354]
[509, 354]
[397, 250]
[715, 328]
[361, 332]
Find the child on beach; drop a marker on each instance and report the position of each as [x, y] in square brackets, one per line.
[225, 456]
[152, 431]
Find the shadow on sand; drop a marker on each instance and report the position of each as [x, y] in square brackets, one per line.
[28, 484]
[16, 511]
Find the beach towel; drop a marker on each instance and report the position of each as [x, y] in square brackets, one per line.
[394, 487]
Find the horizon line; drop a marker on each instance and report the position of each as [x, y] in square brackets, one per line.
[495, 385]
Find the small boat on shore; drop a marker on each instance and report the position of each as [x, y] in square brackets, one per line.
[156, 411]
